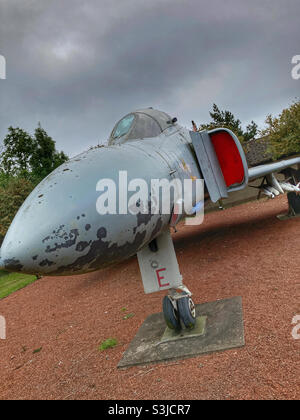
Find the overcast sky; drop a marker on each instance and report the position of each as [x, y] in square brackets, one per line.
[78, 66]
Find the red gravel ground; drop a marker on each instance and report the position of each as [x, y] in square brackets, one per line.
[244, 251]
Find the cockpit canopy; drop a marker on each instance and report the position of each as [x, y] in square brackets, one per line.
[140, 124]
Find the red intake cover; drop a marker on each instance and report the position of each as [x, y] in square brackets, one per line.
[229, 157]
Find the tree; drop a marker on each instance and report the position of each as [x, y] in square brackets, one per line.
[226, 119]
[44, 158]
[17, 151]
[30, 157]
[251, 131]
[283, 132]
[25, 161]
[13, 191]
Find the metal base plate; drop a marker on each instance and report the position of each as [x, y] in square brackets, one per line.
[224, 330]
[287, 216]
[197, 331]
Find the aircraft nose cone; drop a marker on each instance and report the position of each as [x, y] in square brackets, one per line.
[58, 230]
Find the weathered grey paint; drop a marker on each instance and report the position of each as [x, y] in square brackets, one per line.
[58, 231]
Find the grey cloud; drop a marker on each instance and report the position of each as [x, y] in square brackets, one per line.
[77, 66]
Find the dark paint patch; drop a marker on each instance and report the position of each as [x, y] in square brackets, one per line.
[46, 262]
[13, 264]
[72, 239]
[102, 254]
[34, 257]
[81, 246]
[87, 227]
[59, 233]
[143, 218]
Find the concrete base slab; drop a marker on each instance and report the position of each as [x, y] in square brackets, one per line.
[224, 329]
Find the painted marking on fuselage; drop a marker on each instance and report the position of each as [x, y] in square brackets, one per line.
[159, 278]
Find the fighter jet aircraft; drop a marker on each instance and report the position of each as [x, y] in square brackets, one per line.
[61, 229]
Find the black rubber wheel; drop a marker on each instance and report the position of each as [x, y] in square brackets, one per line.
[171, 315]
[187, 312]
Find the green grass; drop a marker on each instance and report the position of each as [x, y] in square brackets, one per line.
[11, 282]
[107, 344]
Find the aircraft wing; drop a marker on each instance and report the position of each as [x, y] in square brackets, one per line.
[272, 186]
[263, 170]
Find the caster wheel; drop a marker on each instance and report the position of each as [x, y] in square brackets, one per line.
[170, 314]
[187, 312]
